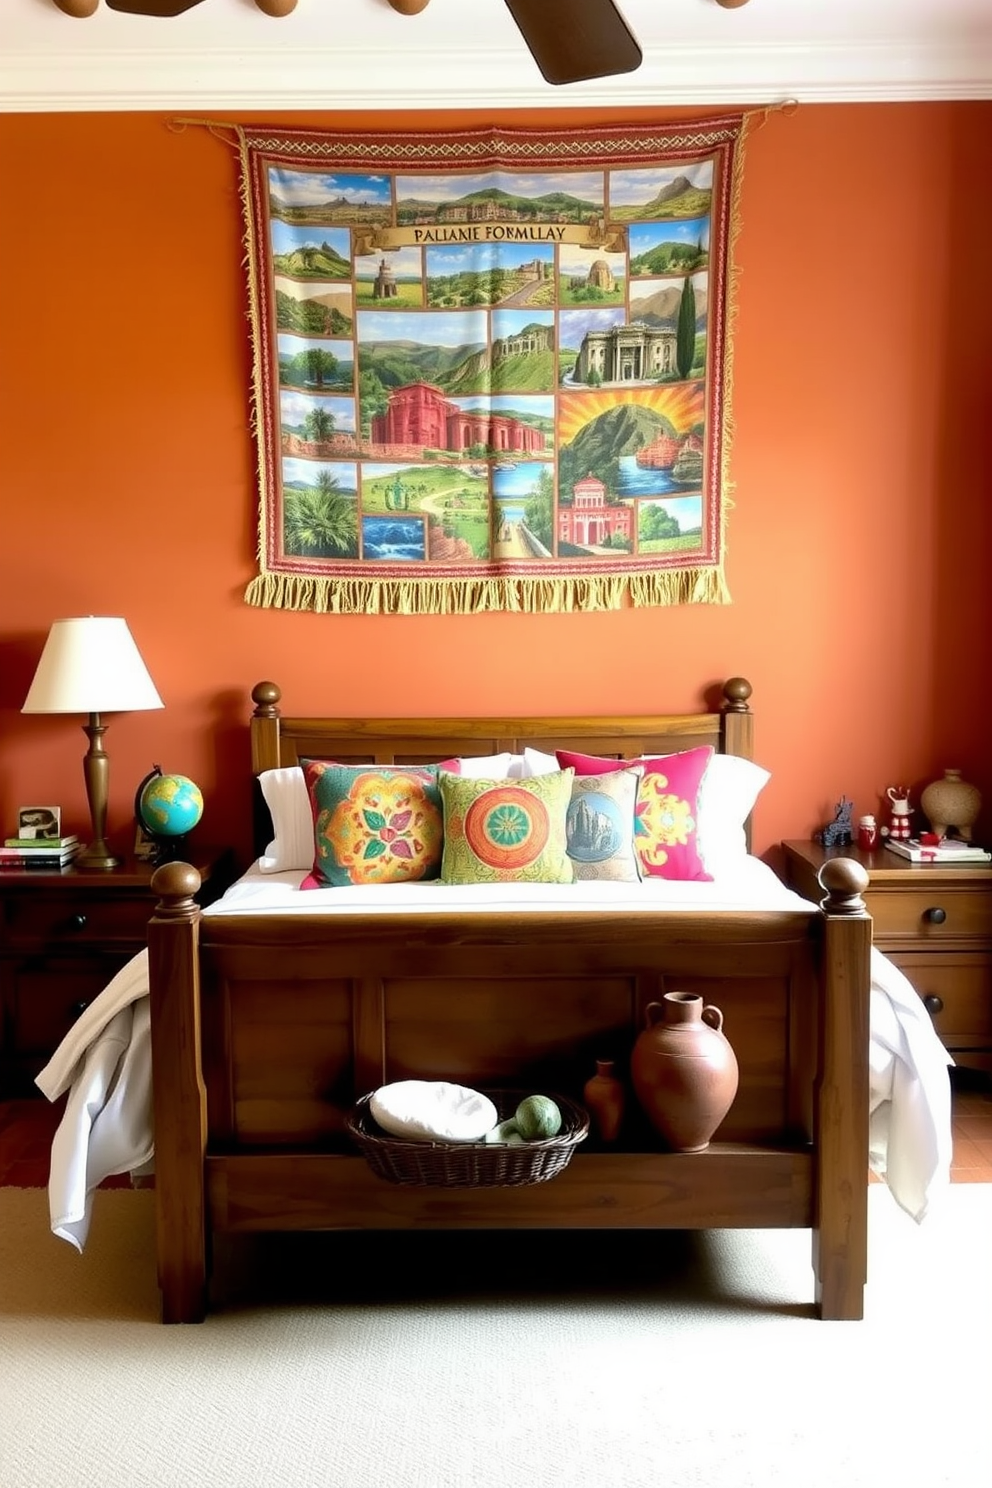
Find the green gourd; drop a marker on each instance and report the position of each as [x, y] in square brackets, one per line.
[538, 1117]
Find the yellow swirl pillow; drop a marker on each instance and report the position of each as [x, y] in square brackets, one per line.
[372, 824]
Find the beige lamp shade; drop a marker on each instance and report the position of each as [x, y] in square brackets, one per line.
[91, 665]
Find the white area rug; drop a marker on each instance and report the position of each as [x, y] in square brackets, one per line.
[615, 1361]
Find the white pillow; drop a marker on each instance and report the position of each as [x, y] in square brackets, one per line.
[291, 848]
[485, 766]
[729, 788]
[538, 763]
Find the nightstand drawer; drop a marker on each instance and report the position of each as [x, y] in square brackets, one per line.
[54, 921]
[931, 913]
[958, 991]
[48, 995]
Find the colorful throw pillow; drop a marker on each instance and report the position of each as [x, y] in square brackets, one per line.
[373, 824]
[665, 827]
[600, 826]
[503, 831]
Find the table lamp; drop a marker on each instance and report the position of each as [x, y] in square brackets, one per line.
[91, 665]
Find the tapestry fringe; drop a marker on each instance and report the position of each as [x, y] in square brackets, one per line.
[466, 596]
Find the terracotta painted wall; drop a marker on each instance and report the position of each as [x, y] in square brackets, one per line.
[858, 546]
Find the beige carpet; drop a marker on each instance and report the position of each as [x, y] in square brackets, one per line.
[615, 1361]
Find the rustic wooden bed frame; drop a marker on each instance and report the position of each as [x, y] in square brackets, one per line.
[266, 1028]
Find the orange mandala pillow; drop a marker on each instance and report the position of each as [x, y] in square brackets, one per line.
[506, 831]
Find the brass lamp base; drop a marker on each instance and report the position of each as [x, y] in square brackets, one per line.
[96, 856]
[96, 769]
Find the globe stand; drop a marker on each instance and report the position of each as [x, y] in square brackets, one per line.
[168, 849]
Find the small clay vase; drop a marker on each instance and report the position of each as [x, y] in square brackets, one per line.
[951, 802]
[684, 1071]
[605, 1098]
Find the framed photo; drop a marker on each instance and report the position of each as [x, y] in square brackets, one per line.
[39, 822]
[145, 847]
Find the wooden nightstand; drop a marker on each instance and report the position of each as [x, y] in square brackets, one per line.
[935, 922]
[63, 936]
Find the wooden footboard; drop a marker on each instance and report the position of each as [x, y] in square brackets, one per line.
[265, 1029]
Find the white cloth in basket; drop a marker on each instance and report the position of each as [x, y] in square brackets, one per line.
[433, 1111]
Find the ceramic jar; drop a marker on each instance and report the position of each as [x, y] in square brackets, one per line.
[951, 802]
[683, 1070]
[605, 1098]
[868, 833]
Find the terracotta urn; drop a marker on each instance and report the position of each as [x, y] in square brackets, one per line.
[951, 802]
[605, 1098]
[684, 1070]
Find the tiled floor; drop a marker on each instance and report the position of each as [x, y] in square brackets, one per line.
[972, 1123]
[27, 1127]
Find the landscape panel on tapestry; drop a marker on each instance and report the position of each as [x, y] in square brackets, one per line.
[491, 368]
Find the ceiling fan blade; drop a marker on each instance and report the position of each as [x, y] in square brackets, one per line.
[152, 7]
[574, 40]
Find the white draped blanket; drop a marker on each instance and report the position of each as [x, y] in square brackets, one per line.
[104, 1062]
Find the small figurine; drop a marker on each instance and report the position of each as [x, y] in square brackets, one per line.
[900, 812]
[837, 833]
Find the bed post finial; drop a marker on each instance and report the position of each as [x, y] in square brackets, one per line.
[266, 696]
[736, 692]
[177, 885]
[843, 881]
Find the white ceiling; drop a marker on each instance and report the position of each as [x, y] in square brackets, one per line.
[342, 54]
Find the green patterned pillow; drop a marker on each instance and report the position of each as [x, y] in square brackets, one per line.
[373, 824]
[506, 831]
[600, 826]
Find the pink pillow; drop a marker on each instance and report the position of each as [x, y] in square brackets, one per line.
[665, 822]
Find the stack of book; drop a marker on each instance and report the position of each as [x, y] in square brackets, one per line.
[938, 850]
[38, 852]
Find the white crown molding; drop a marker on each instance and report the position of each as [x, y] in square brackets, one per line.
[260, 80]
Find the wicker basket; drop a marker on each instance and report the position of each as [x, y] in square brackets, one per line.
[470, 1164]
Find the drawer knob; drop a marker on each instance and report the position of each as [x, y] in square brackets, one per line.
[76, 922]
[933, 1004]
[935, 916]
[78, 1009]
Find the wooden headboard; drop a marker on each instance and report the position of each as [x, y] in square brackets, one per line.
[277, 741]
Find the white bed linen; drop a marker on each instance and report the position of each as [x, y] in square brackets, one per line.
[104, 1062]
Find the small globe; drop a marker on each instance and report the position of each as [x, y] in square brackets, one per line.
[170, 805]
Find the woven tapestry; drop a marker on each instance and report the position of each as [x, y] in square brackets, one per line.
[491, 368]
